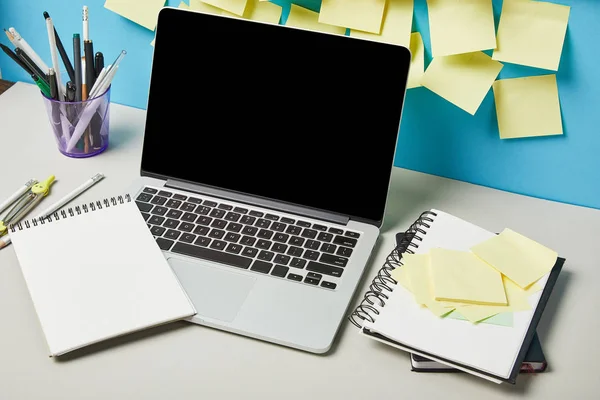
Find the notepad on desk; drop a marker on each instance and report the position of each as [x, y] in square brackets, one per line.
[491, 351]
[95, 273]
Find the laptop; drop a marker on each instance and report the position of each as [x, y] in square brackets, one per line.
[265, 169]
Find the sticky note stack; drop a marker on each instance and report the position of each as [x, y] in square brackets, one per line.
[495, 277]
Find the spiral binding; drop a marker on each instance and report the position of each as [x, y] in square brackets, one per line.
[383, 281]
[84, 208]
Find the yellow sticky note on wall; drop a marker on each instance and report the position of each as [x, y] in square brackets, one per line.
[461, 276]
[463, 79]
[264, 11]
[521, 259]
[364, 15]
[532, 33]
[183, 5]
[236, 7]
[304, 18]
[417, 61]
[396, 25]
[528, 107]
[144, 13]
[199, 5]
[458, 27]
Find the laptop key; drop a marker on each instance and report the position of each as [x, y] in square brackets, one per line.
[209, 203]
[344, 241]
[158, 230]
[303, 224]
[188, 238]
[232, 237]
[203, 241]
[328, 248]
[146, 216]
[263, 244]
[325, 237]
[164, 244]
[334, 260]
[282, 259]
[286, 220]
[279, 247]
[187, 207]
[311, 281]
[265, 234]
[156, 220]
[202, 210]
[295, 251]
[328, 285]
[174, 213]
[189, 217]
[240, 210]
[250, 251]
[201, 230]
[312, 244]
[173, 203]
[158, 200]
[314, 276]
[172, 234]
[219, 223]
[204, 220]
[144, 197]
[298, 263]
[234, 227]
[247, 240]
[280, 271]
[179, 196]
[249, 230]
[232, 216]
[272, 217]
[218, 245]
[225, 207]
[145, 207]
[263, 223]
[293, 230]
[248, 220]
[319, 227]
[217, 213]
[336, 231]
[212, 255]
[266, 255]
[352, 234]
[261, 266]
[159, 210]
[150, 190]
[311, 255]
[165, 193]
[233, 248]
[278, 226]
[344, 251]
[281, 237]
[295, 277]
[324, 269]
[216, 234]
[195, 200]
[309, 233]
[186, 227]
[171, 223]
[297, 241]
[256, 213]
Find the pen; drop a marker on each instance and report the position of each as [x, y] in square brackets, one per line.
[99, 63]
[77, 61]
[53, 53]
[90, 72]
[16, 59]
[27, 61]
[53, 84]
[23, 45]
[63, 53]
[70, 91]
[42, 85]
[109, 74]
[17, 194]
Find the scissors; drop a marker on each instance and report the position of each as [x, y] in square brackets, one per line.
[26, 203]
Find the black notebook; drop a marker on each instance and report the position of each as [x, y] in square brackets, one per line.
[389, 314]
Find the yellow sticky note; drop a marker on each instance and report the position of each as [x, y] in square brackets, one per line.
[417, 269]
[417, 61]
[532, 33]
[364, 15]
[463, 79]
[199, 5]
[263, 11]
[236, 7]
[437, 309]
[528, 107]
[458, 27]
[152, 42]
[461, 276]
[521, 259]
[396, 25]
[184, 6]
[304, 18]
[144, 13]
[401, 276]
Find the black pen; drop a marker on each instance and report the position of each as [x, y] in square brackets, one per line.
[90, 71]
[70, 91]
[53, 84]
[99, 64]
[77, 61]
[16, 59]
[31, 65]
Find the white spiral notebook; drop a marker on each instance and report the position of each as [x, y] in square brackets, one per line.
[95, 272]
[389, 314]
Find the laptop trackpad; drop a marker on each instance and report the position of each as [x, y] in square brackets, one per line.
[216, 293]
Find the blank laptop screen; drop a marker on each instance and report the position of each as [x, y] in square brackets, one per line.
[301, 117]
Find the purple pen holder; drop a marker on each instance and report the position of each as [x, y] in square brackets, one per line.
[81, 127]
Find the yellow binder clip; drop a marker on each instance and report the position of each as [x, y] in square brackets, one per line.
[26, 203]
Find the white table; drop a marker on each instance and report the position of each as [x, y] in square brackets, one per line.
[184, 361]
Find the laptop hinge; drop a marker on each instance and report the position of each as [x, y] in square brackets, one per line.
[258, 201]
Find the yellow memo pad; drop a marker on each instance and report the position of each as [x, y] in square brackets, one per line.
[418, 279]
[364, 15]
[144, 13]
[462, 79]
[304, 18]
[461, 276]
[463, 26]
[528, 107]
[199, 5]
[396, 25]
[521, 259]
[260, 11]
[532, 33]
[183, 5]
[236, 7]
[417, 62]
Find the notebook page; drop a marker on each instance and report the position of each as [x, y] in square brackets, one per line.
[487, 347]
[97, 275]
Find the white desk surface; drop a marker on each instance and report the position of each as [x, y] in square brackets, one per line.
[184, 361]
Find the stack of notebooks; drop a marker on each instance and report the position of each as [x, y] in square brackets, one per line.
[498, 346]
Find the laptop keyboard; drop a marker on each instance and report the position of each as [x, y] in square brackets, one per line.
[266, 243]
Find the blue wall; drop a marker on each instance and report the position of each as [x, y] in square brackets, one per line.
[435, 137]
